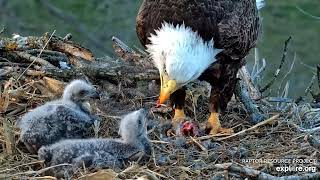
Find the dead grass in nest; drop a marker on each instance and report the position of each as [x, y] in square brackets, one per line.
[191, 158]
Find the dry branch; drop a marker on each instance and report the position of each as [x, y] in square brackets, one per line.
[316, 97]
[245, 76]
[19, 43]
[113, 73]
[2, 30]
[276, 74]
[313, 142]
[123, 51]
[10, 146]
[307, 13]
[242, 93]
[270, 120]
[35, 59]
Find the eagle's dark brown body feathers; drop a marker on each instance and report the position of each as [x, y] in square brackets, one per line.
[233, 25]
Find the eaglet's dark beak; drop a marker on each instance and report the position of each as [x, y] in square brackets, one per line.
[95, 95]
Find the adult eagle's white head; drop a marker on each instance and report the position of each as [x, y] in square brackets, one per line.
[181, 56]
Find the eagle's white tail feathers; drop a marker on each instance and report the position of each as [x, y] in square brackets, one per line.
[260, 4]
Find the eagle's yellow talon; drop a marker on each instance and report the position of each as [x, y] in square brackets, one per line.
[227, 131]
[179, 116]
[215, 127]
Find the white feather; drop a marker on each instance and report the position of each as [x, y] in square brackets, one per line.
[260, 4]
[181, 52]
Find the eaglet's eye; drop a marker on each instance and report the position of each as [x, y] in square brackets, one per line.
[83, 92]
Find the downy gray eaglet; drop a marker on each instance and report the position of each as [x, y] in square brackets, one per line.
[68, 117]
[133, 145]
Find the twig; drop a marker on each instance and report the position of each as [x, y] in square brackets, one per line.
[49, 52]
[256, 62]
[3, 64]
[4, 59]
[199, 144]
[279, 99]
[159, 142]
[318, 75]
[56, 59]
[308, 14]
[34, 59]
[124, 51]
[308, 89]
[45, 177]
[275, 76]
[242, 93]
[313, 142]
[112, 73]
[38, 172]
[284, 94]
[245, 76]
[67, 37]
[10, 146]
[34, 73]
[122, 45]
[304, 130]
[251, 128]
[152, 175]
[308, 66]
[259, 71]
[287, 74]
[45, 45]
[202, 138]
[2, 30]
[27, 164]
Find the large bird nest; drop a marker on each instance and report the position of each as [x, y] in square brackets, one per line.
[290, 133]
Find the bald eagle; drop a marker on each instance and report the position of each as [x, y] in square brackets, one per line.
[198, 39]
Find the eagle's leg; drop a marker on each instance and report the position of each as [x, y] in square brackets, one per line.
[223, 82]
[218, 103]
[177, 100]
[214, 125]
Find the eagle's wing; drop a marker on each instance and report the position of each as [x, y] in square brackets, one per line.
[234, 25]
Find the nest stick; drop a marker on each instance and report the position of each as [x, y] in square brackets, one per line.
[318, 75]
[276, 74]
[45, 45]
[242, 93]
[245, 76]
[34, 59]
[2, 30]
[251, 128]
[313, 142]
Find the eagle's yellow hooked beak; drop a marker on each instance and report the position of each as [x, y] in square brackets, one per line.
[168, 86]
